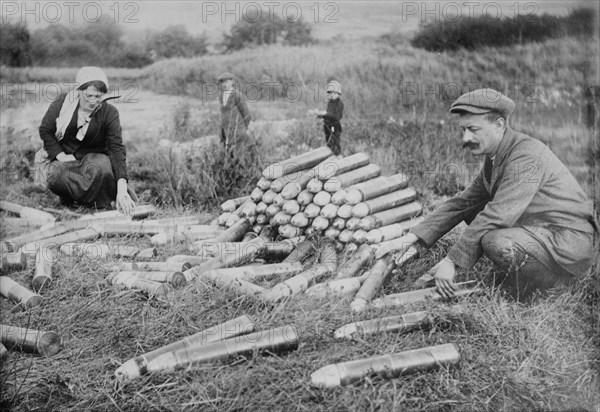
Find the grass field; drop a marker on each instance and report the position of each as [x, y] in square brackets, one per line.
[515, 357]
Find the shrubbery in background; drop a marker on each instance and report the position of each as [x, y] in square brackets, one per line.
[99, 44]
[267, 30]
[472, 33]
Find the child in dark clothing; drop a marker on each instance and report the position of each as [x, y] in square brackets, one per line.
[331, 118]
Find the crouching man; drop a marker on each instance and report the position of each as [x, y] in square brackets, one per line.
[524, 210]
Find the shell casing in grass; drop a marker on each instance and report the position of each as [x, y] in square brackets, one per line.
[361, 258]
[339, 197]
[335, 167]
[242, 254]
[388, 366]
[99, 250]
[130, 281]
[322, 198]
[345, 211]
[14, 260]
[176, 265]
[300, 220]
[398, 324]
[314, 186]
[420, 295]
[232, 234]
[311, 211]
[232, 204]
[138, 212]
[200, 232]
[42, 275]
[261, 207]
[351, 177]
[19, 294]
[256, 195]
[332, 232]
[305, 198]
[296, 284]
[147, 253]
[138, 366]
[275, 340]
[339, 223]
[293, 164]
[388, 201]
[272, 210]
[393, 231]
[34, 216]
[389, 216]
[17, 222]
[279, 250]
[289, 231]
[329, 211]
[301, 252]
[359, 236]
[376, 187]
[320, 223]
[174, 278]
[254, 272]
[193, 260]
[291, 207]
[180, 221]
[345, 235]
[377, 277]
[281, 218]
[36, 236]
[264, 184]
[139, 227]
[30, 340]
[52, 242]
[336, 287]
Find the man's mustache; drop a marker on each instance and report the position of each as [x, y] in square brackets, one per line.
[470, 145]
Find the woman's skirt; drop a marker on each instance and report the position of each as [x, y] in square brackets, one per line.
[88, 182]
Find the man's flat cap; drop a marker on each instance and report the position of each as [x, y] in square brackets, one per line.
[224, 76]
[483, 101]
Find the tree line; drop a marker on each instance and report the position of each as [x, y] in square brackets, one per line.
[472, 33]
[104, 43]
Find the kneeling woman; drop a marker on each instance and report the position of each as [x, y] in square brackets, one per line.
[82, 138]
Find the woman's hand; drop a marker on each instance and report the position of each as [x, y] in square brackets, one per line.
[63, 157]
[124, 202]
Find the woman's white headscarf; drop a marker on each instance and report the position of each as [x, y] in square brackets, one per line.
[84, 75]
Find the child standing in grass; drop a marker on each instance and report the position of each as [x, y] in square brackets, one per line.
[332, 116]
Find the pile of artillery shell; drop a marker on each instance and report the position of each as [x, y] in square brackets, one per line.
[344, 199]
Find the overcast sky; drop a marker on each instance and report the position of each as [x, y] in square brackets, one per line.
[330, 18]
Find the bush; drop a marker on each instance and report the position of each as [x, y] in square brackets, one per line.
[474, 33]
[267, 30]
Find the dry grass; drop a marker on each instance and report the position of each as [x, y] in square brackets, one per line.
[539, 356]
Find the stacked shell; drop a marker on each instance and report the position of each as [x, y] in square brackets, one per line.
[345, 199]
